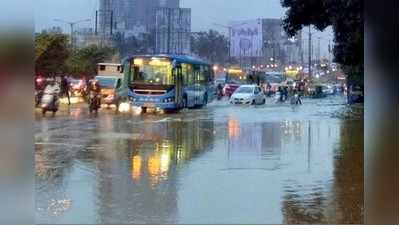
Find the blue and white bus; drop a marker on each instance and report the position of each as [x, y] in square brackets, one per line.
[168, 82]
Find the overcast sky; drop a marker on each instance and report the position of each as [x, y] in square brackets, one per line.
[204, 13]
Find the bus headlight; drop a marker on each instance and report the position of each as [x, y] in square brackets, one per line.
[124, 107]
[168, 100]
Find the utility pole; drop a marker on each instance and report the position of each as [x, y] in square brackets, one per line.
[72, 24]
[318, 50]
[329, 51]
[310, 52]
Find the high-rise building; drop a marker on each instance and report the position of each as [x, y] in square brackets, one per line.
[173, 30]
[126, 15]
[145, 11]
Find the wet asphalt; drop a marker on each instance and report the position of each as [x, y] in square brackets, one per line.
[273, 163]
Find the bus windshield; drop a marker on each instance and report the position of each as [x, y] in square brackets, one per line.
[157, 71]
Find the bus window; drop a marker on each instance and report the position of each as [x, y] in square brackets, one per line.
[206, 73]
[102, 67]
[187, 71]
[201, 76]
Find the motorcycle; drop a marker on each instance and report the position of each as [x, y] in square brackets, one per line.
[49, 102]
[295, 100]
[94, 102]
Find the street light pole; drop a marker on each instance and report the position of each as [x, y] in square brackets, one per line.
[310, 53]
[72, 24]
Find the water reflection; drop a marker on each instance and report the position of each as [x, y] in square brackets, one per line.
[144, 190]
[113, 170]
[262, 139]
[329, 195]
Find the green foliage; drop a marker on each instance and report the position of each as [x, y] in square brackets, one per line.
[51, 52]
[346, 19]
[84, 61]
[54, 56]
[210, 45]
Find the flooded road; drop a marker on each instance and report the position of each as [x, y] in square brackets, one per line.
[220, 164]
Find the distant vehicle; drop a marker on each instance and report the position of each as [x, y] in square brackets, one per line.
[318, 91]
[328, 89]
[355, 94]
[77, 87]
[220, 80]
[109, 85]
[230, 87]
[248, 94]
[109, 69]
[275, 80]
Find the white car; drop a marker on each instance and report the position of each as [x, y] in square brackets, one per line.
[248, 94]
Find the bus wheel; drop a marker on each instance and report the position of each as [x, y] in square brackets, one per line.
[144, 109]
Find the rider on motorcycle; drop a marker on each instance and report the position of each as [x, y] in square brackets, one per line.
[94, 89]
[52, 88]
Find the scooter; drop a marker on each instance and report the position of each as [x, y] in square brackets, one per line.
[94, 102]
[49, 102]
[295, 100]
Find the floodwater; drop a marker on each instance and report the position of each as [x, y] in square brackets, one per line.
[220, 164]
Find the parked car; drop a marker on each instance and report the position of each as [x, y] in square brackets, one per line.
[230, 87]
[248, 94]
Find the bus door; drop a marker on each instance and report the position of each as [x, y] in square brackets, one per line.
[178, 78]
[198, 92]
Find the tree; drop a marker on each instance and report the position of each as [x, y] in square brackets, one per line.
[51, 52]
[210, 45]
[84, 61]
[347, 21]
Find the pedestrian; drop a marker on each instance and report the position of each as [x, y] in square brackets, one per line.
[285, 92]
[65, 88]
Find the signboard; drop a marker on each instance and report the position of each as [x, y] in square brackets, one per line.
[246, 38]
[173, 31]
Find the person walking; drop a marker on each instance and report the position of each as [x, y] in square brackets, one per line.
[65, 88]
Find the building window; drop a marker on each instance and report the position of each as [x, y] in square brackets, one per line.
[102, 67]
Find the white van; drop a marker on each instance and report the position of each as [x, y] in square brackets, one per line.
[109, 69]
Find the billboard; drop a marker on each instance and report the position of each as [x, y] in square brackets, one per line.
[173, 31]
[246, 38]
